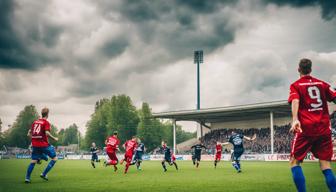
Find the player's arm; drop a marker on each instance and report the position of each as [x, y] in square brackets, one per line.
[226, 143]
[192, 147]
[204, 146]
[51, 136]
[29, 133]
[296, 125]
[251, 138]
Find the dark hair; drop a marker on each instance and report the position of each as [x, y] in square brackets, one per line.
[305, 66]
[45, 112]
[115, 133]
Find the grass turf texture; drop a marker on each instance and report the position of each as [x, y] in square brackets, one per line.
[78, 175]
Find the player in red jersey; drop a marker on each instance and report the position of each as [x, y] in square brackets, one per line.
[39, 133]
[218, 155]
[112, 146]
[130, 147]
[311, 124]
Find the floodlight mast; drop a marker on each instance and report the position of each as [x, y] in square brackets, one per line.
[198, 59]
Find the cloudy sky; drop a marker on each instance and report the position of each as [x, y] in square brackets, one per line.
[68, 54]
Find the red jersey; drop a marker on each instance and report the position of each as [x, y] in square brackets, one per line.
[112, 143]
[219, 148]
[130, 146]
[313, 113]
[38, 133]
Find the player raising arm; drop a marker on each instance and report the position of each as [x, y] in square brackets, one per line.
[197, 153]
[237, 141]
[39, 133]
[311, 124]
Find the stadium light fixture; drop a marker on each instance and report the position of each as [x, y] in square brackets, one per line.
[198, 59]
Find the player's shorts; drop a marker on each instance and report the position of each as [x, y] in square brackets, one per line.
[321, 147]
[138, 156]
[128, 157]
[237, 153]
[218, 156]
[94, 157]
[168, 159]
[39, 152]
[112, 155]
[197, 157]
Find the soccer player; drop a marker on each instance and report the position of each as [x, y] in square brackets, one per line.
[112, 146]
[237, 141]
[198, 152]
[168, 157]
[218, 155]
[39, 133]
[137, 157]
[311, 124]
[94, 157]
[130, 147]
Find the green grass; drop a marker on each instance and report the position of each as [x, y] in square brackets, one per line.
[78, 175]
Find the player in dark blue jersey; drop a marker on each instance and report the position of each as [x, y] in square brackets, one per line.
[94, 157]
[237, 141]
[137, 157]
[197, 153]
[168, 157]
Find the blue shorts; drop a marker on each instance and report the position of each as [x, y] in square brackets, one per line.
[38, 152]
[138, 156]
[237, 153]
[94, 157]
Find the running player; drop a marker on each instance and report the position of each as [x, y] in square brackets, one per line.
[237, 141]
[198, 152]
[218, 155]
[137, 157]
[130, 147]
[168, 157]
[39, 133]
[112, 146]
[311, 124]
[94, 157]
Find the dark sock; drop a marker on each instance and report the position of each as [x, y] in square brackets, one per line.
[175, 166]
[215, 163]
[30, 170]
[93, 165]
[330, 179]
[299, 178]
[49, 167]
[164, 166]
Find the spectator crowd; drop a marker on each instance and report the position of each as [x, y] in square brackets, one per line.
[282, 138]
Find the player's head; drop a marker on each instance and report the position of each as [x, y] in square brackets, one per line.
[233, 133]
[45, 112]
[199, 141]
[115, 133]
[218, 142]
[305, 66]
[134, 138]
[138, 140]
[163, 144]
[93, 144]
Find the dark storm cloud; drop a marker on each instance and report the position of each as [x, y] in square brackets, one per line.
[328, 6]
[15, 52]
[115, 47]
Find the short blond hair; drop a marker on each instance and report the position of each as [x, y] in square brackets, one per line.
[45, 112]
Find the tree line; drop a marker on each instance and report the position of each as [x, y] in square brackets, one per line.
[114, 114]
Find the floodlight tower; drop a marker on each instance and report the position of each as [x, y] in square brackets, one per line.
[198, 59]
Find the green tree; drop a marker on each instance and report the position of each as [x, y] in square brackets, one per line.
[0, 126]
[18, 133]
[123, 117]
[71, 135]
[149, 129]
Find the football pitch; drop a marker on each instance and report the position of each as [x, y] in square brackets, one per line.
[78, 175]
